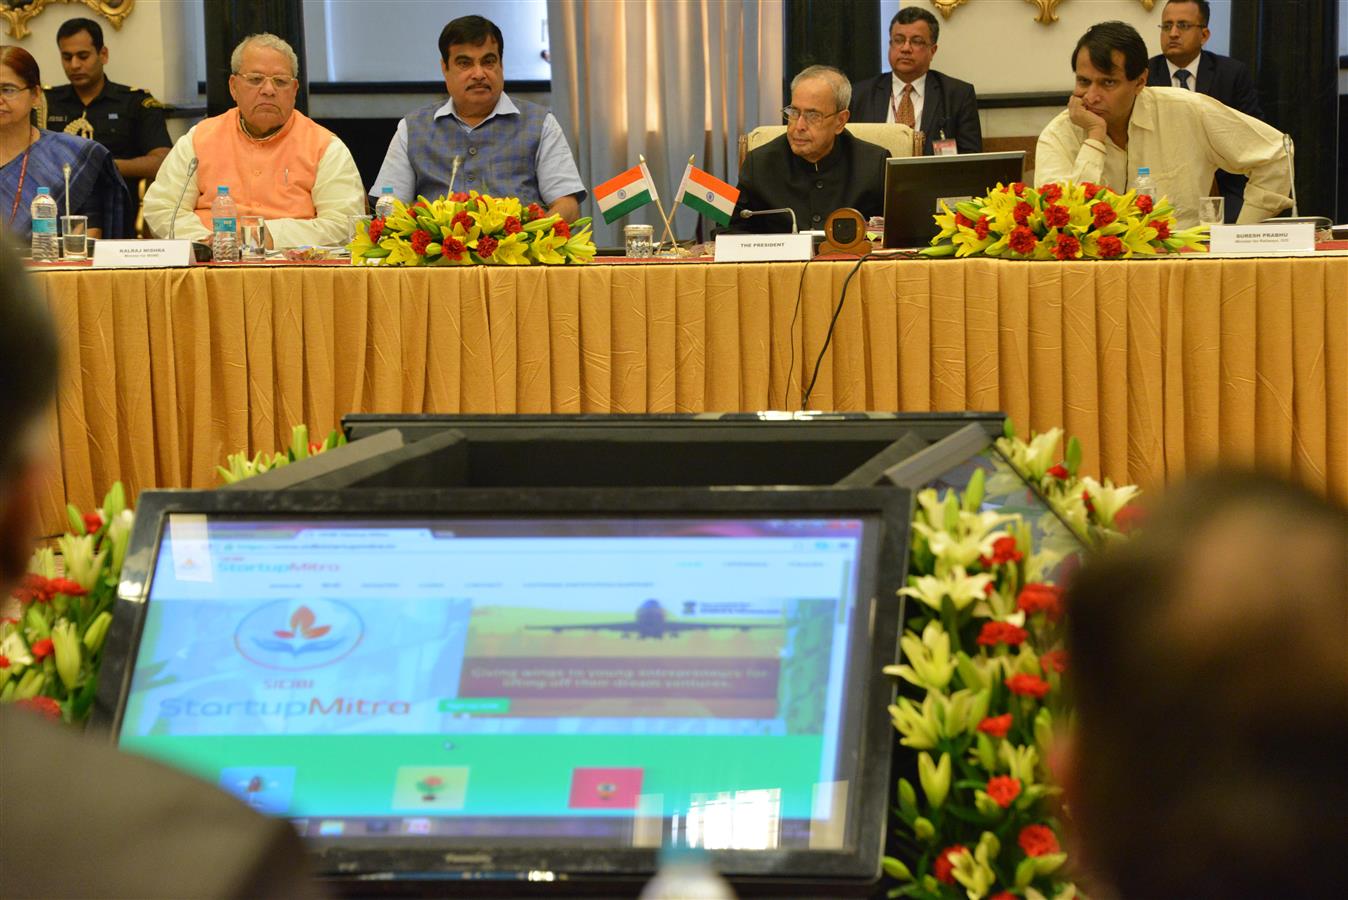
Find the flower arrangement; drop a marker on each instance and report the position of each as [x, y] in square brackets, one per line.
[467, 229]
[1061, 221]
[239, 466]
[982, 681]
[50, 653]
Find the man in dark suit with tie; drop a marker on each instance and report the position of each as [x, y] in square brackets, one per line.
[1184, 63]
[941, 107]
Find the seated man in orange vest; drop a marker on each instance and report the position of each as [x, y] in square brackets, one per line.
[277, 162]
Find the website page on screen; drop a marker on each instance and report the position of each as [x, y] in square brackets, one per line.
[502, 677]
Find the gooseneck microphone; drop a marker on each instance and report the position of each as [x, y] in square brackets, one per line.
[1291, 172]
[454, 171]
[187, 179]
[750, 213]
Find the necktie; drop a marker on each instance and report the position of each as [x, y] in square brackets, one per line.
[904, 114]
[1183, 75]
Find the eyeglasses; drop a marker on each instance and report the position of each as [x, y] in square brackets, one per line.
[12, 90]
[1183, 27]
[916, 43]
[812, 118]
[254, 80]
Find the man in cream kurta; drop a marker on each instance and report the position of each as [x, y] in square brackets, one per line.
[1115, 124]
[277, 162]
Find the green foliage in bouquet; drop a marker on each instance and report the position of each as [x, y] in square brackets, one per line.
[239, 466]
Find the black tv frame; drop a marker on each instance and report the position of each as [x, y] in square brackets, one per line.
[369, 867]
[383, 460]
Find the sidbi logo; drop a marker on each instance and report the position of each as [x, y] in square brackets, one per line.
[308, 635]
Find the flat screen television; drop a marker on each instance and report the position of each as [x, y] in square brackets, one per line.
[667, 450]
[916, 185]
[525, 686]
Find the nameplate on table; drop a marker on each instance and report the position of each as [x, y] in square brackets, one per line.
[137, 254]
[763, 247]
[1267, 237]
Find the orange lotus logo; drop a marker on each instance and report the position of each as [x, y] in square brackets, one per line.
[282, 635]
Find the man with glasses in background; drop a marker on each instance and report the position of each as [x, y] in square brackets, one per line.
[941, 107]
[278, 163]
[816, 167]
[1184, 63]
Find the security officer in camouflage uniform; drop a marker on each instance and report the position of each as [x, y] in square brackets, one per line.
[126, 120]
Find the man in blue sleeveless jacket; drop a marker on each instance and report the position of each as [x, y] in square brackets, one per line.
[481, 139]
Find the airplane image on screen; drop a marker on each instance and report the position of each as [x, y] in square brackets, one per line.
[651, 621]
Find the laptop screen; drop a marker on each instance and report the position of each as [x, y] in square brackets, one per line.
[590, 681]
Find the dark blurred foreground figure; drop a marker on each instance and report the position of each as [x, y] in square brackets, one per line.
[1210, 657]
[77, 818]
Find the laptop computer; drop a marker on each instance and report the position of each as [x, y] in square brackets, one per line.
[916, 185]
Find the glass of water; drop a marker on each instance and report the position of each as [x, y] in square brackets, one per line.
[252, 239]
[1211, 210]
[639, 240]
[75, 237]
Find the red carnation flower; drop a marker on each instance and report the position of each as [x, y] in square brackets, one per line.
[43, 706]
[1051, 193]
[943, 868]
[1144, 203]
[996, 726]
[1129, 518]
[1091, 189]
[562, 229]
[453, 248]
[1054, 661]
[1038, 597]
[67, 587]
[92, 522]
[1027, 685]
[1037, 840]
[1022, 240]
[462, 220]
[1003, 895]
[963, 221]
[4, 661]
[1018, 189]
[1059, 471]
[981, 227]
[995, 633]
[533, 211]
[1057, 215]
[34, 589]
[1162, 227]
[1110, 247]
[1086, 500]
[376, 229]
[1067, 247]
[1004, 550]
[1003, 789]
[421, 239]
[459, 197]
[1104, 214]
[41, 649]
[512, 225]
[1021, 213]
[486, 246]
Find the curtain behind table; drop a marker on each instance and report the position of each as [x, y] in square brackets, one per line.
[667, 80]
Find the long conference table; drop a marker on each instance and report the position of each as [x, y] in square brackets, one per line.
[1158, 366]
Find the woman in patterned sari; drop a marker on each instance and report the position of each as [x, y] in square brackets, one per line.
[31, 158]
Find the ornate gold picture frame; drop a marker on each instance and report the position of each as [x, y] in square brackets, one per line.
[16, 13]
[1048, 9]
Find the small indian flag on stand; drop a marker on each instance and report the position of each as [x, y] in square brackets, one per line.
[707, 194]
[623, 193]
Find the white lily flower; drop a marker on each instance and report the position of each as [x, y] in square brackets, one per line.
[15, 649]
[1108, 499]
[928, 661]
[82, 564]
[961, 588]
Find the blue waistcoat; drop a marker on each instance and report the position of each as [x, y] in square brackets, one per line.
[499, 155]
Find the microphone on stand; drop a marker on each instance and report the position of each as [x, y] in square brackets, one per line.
[750, 213]
[454, 171]
[187, 179]
[1291, 173]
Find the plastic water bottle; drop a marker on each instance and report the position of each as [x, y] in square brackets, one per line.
[384, 206]
[1144, 184]
[686, 874]
[46, 243]
[224, 226]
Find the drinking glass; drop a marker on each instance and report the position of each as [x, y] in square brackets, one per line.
[353, 226]
[639, 240]
[1211, 210]
[75, 237]
[252, 239]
